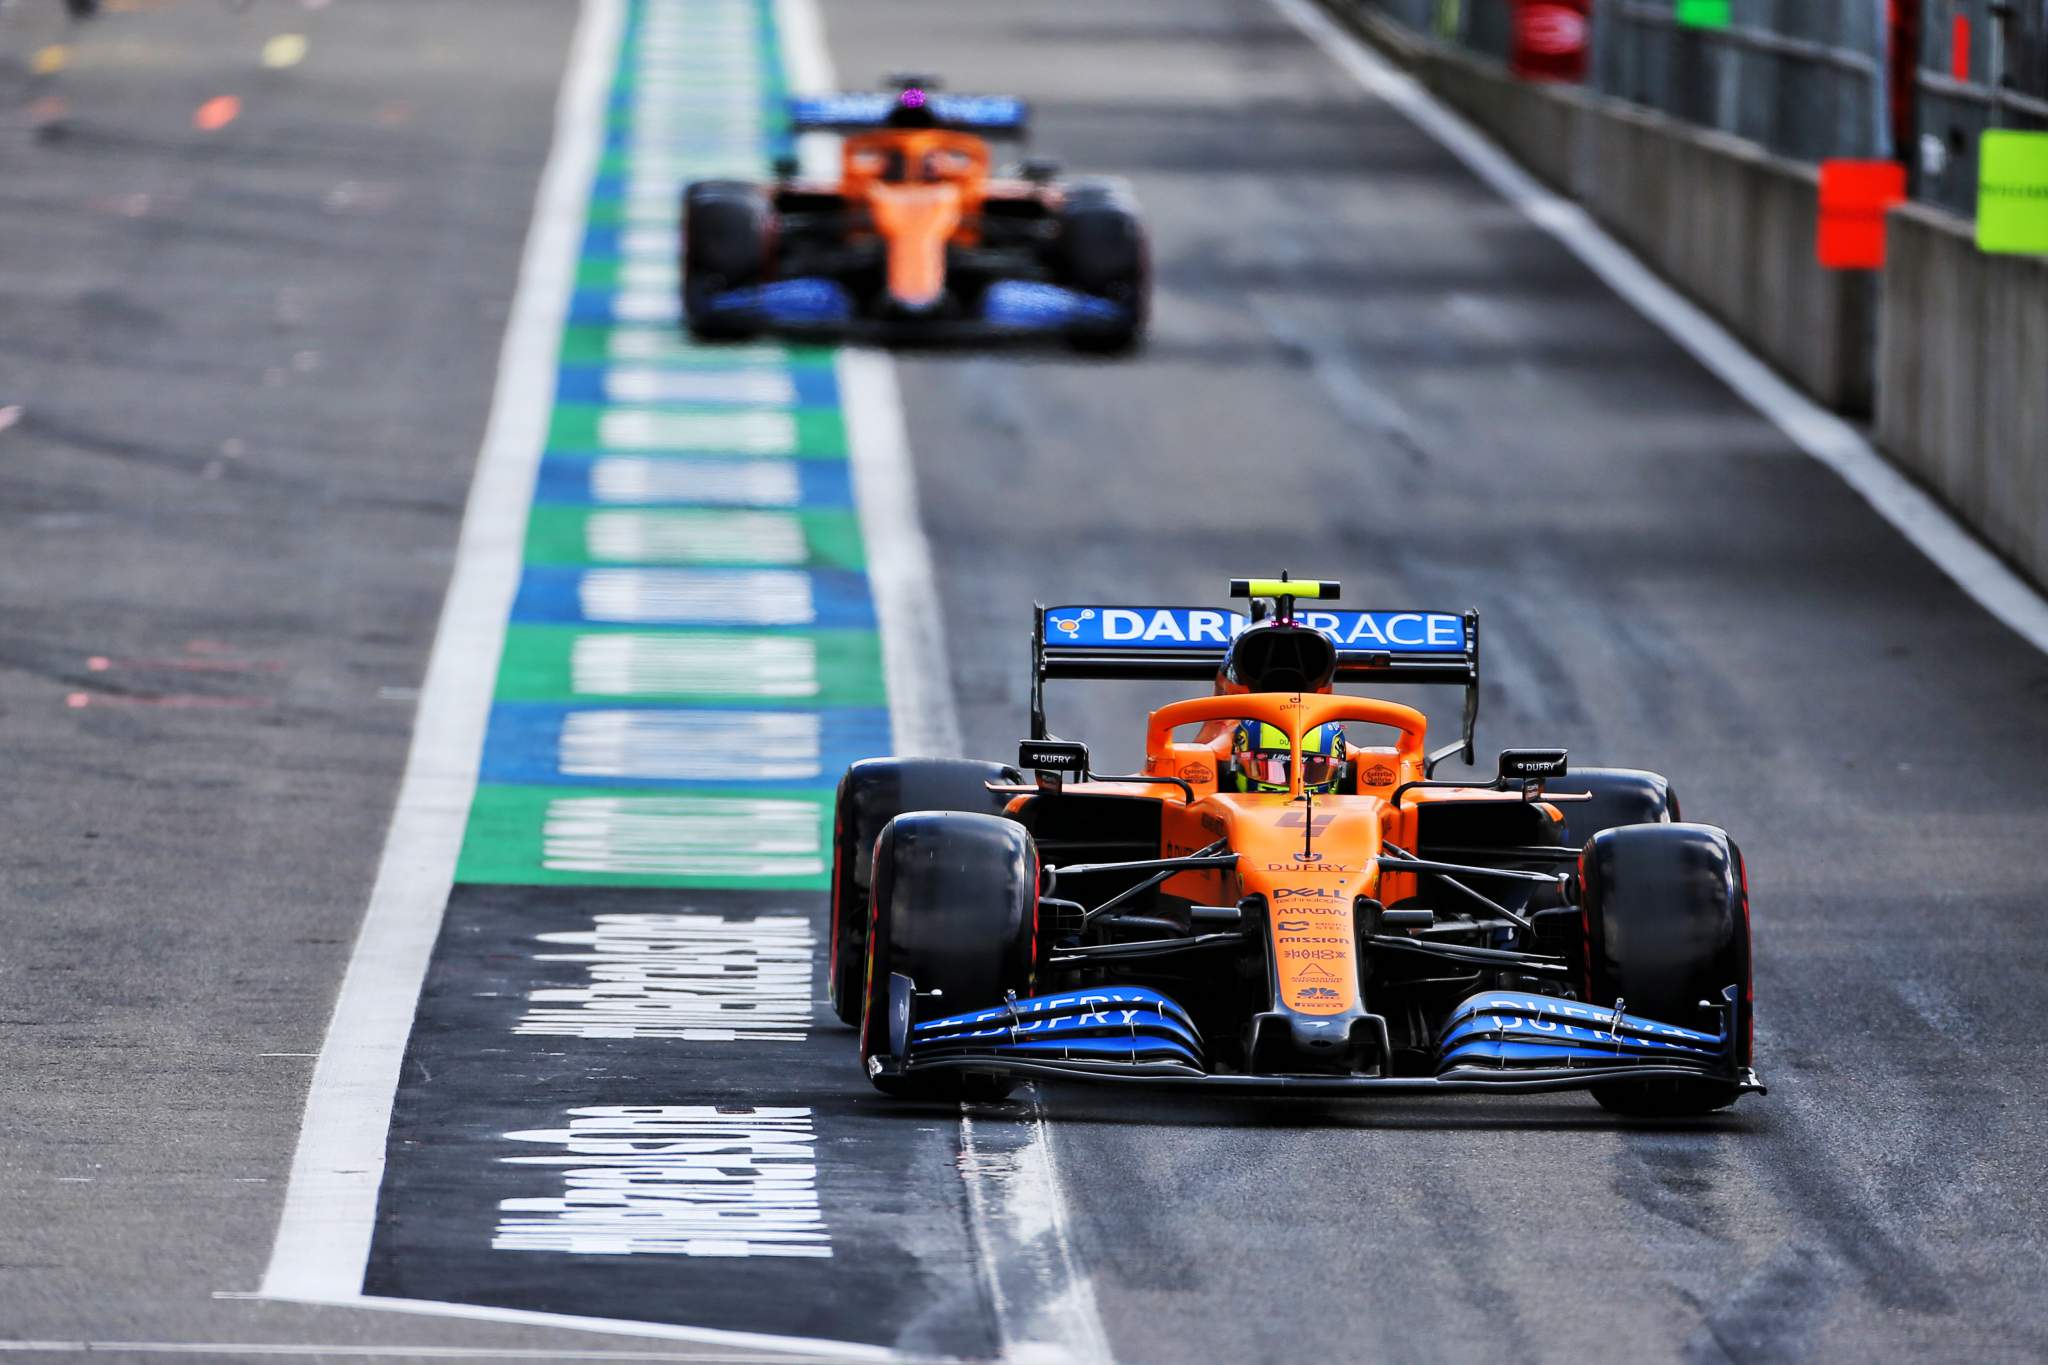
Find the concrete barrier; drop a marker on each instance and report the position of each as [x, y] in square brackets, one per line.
[1963, 370]
[1727, 222]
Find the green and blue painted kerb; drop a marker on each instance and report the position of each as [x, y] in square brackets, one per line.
[691, 660]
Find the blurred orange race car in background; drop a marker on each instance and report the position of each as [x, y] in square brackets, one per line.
[918, 238]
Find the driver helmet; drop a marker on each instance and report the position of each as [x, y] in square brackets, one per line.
[1260, 756]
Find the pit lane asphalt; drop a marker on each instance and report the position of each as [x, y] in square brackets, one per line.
[1364, 365]
[253, 367]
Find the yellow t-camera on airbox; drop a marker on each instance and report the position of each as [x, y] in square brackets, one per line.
[1285, 592]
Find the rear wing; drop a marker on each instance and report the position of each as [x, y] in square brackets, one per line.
[1187, 644]
[993, 116]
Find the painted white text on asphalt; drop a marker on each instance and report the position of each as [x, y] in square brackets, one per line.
[702, 978]
[673, 1180]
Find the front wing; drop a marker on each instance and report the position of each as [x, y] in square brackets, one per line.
[1010, 309]
[1495, 1040]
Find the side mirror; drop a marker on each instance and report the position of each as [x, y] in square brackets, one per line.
[1519, 767]
[1055, 759]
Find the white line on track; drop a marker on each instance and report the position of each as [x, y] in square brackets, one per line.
[1015, 1200]
[1820, 433]
[922, 715]
[323, 1238]
[807, 67]
[226, 1350]
[807, 1348]
[1044, 1302]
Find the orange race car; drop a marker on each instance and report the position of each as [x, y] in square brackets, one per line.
[918, 237]
[1285, 899]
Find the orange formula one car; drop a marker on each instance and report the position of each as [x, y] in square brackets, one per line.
[918, 238]
[1284, 899]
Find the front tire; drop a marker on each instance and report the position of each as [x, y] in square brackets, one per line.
[874, 792]
[956, 911]
[1101, 250]
[1667, 926]
[728, 243]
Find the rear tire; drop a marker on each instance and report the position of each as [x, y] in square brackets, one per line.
[1667, 926]
[874, 792]
[956, 911]
[1621, 796]
[1101, 250]
[728, 243]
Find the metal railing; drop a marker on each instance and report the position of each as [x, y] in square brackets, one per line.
[1484, 26]
[1808, 79]
[2005, 85]
[1804, 78]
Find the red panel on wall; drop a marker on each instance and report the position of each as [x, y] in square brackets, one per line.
[1853, 198]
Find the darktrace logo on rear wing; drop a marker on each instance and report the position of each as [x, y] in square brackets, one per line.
[860, 110]
[1426, 632]
[1188, 644]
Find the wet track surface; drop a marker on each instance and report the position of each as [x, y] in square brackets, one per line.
[252, 386]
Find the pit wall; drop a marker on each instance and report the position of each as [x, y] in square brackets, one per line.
[1962, 361]
[1948, 348]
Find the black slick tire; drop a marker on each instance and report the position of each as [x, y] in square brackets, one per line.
[871, 794]
[1667, 926]
[955, 910]
[1101, 249]
[1620, 796]
[728, 243]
